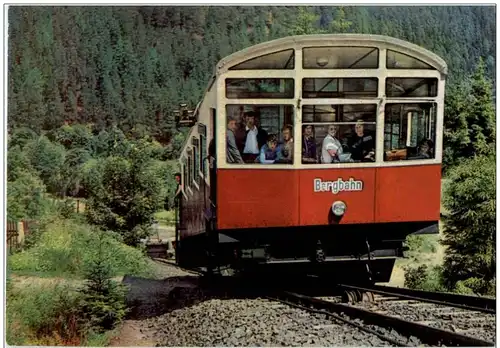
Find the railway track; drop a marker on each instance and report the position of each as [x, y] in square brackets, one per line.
[472, 303]
[472, 316]
[373, 322]
[381, 315]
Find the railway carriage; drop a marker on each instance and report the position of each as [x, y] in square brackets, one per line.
[355, 125]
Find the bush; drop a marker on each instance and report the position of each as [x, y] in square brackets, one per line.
[104, 299]
[424, 278]
[46, 314]
[470, 225]
[68, 247]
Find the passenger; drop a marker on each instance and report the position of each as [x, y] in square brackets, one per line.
[177, 197]
[308, 145]
[178, 189]
[287, 146]
[270, 152]
[232, 152]
[362, 144]
[254, 138]
[425, 149]
[331, 148]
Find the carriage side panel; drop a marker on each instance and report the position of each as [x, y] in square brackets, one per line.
[251, 198]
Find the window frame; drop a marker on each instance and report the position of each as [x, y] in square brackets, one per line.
[340, 124]
[382, 73]
[257, 102]
[202, 131]
[190, 167]
[372, 49]
[411, 78]
[340, 81]
[195, 142]
[387, 55]
[432, 128]
[272, 95]
[291, 59]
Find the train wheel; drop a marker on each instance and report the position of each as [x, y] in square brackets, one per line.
[368, 297]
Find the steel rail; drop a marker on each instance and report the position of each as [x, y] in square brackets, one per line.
[473, 303]
[427, 334]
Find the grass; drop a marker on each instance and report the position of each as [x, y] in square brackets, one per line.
[67, 247]
[165, 217]
[42, 314]
[43, 304]
[424, 250]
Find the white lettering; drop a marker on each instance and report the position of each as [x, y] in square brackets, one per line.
[338, 186]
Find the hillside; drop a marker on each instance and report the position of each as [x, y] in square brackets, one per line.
[131, 66]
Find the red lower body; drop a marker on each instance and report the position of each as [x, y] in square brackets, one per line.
[260, 198]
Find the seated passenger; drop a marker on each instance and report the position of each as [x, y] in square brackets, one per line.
[287, 146]
[424, 150]
[362, 144]
[331, 148]
[232, 153]
[270, 152]
[308, 145]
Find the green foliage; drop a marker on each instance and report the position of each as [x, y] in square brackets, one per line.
[476, 286]
[103, 299]
[124, 193]
[424, 277]
[306, 22]
[469, 119]
[48, 159]
[43, 314]
[418, 244]
[26, 197]
[340, 24]
[68, 247]
[470, 226]
[137, 63]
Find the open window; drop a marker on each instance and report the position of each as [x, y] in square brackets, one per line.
[338, 133]
[410, 131]
[259, 134]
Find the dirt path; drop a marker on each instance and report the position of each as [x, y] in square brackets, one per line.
[132, 333]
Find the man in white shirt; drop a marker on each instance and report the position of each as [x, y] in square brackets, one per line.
[332, 148]
[254, 139]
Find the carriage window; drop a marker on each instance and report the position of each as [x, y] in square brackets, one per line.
[340, 58]
[338, 133]
[190, 168]
[283, 60]
[397, 60]
[196, 160]
[411, 87]
[202, 130]
[340, 88]
[409, 131]
[259, 134]
[184, 173]
[259, 88]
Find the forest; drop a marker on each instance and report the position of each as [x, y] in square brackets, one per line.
[91, 98]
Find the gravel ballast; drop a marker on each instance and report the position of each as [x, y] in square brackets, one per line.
[176, 311]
